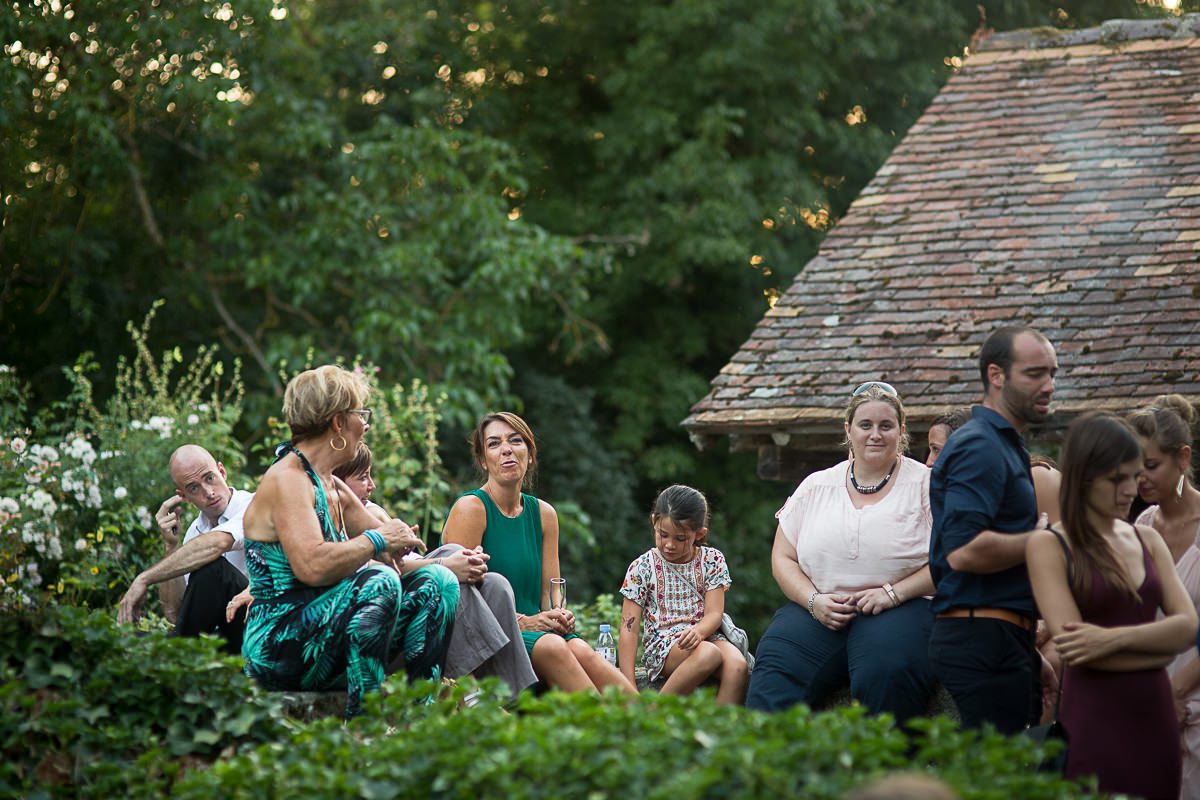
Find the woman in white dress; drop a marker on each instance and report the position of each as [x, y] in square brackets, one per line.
[1166, 483]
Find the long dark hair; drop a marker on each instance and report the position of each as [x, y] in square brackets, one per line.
[682, 505]
[1096, 445]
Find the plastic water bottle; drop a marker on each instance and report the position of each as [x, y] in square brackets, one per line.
[605, 645]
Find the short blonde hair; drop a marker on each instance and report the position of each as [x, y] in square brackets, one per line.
[314, 397]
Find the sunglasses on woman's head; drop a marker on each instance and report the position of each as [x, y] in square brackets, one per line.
[886, 387]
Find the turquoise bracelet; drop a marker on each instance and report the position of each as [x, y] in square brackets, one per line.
[376, 539]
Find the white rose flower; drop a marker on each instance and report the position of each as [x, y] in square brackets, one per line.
[193, 419]
[43, 453]
[81, 544]
[143, 516]
[120, 493]
[10, 505]
[17, 445]
[136, 424]
[42, 501]
[203, 408]
[94, 499]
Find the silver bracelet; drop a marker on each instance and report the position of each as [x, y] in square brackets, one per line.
[891, 592]
[811, 599]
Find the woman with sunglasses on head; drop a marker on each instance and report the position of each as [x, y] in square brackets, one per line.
[1101, 583]
[851, 554]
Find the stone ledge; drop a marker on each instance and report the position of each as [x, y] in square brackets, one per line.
[312, 706]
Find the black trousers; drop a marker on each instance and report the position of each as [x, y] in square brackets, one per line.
[991, 669]
[209, 590]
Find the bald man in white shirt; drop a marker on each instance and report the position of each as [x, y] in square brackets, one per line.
[201, 573]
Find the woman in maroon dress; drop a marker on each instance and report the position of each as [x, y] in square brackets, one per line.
[1101, 604]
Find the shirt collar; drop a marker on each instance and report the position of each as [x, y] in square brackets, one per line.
[996, 420]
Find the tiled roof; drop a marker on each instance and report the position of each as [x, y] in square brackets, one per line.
[1054, 181]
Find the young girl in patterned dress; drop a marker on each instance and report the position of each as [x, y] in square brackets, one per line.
[676, 590]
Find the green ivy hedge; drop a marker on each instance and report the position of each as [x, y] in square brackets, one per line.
[90, 709]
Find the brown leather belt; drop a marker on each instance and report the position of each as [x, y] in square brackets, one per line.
[1021, 621]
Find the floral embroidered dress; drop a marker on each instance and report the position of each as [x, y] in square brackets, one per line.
[672, 598]
[314, 638]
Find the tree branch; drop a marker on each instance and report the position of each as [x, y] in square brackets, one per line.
[139, 191]
[631, 241]
[245, 338]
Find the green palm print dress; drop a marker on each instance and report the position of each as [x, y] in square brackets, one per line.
[307, 638]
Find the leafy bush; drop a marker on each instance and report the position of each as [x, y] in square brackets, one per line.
[90, 709]
[590, 746]
[87, 708]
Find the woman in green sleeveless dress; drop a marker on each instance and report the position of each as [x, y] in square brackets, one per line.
[520, 534]
[324, 616]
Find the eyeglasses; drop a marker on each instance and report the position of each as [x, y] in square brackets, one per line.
[365, 413]
[885, 387]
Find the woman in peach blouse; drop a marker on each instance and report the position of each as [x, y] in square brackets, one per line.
[851, 554]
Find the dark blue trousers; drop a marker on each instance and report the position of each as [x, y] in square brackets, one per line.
[991, 669]
[885, 658]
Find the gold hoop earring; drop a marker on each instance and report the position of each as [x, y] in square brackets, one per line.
[343, 447]
[1179, 487]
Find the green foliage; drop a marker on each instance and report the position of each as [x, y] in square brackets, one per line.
[288, 167]
[88, 709]
[583, 745]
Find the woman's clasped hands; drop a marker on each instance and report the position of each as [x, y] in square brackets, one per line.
[870, 602]
[555, 620]
[834, 611]
[468, 565]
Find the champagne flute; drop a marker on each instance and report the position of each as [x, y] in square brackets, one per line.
[558, 593]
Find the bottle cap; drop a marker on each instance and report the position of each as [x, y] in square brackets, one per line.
[604, 627]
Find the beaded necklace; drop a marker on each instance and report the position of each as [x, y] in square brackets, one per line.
[876, 487]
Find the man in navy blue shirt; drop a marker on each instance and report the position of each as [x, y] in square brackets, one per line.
[984, 509]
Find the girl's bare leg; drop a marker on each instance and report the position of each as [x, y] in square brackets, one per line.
[687, 669]
[735, 675]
